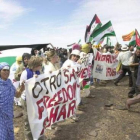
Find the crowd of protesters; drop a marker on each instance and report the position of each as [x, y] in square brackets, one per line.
[50, 59]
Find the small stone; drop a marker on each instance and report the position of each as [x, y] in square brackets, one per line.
[109, 105]
[93, 133]
[97, 124]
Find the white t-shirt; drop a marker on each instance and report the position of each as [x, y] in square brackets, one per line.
[124, 57]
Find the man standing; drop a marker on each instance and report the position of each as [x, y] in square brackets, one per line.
[134, 62]
[123, 57]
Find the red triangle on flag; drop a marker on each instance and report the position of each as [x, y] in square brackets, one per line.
[137, 39]
[97, 20]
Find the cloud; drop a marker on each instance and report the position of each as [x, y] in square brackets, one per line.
[123, 14]
[9, 11]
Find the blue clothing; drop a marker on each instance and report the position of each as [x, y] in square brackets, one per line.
[3, 64]
[30, 73]
[7, 92]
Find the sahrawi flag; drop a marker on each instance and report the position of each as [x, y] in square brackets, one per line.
[94, 25]
[105, 31]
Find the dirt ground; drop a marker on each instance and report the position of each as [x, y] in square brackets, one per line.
[104, 117]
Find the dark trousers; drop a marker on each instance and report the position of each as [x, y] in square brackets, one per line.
[125, 69]
[135, 88]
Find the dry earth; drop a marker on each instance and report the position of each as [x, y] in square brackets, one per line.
[104, 117]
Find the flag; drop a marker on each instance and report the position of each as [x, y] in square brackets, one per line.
[104, 31]
[87, 33]
[135, 39]
[108, 41]
[94, 25]
[132, 41]
[128, 36]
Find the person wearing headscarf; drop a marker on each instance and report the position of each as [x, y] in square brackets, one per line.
[16, 64]
[7, 93]
[86, 48]
[13, 69]
[76, 47]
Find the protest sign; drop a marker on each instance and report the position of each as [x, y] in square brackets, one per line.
[86, 65]
[51, 98]
[105, 66]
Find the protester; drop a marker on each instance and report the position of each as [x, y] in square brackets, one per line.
[123, 57]
[15, 65]
[76, 47]
[63, 56]
[25, 59]
[134, 62]
[7, 93]
[86, 49]
[34, 51]
[51, 62]
[72, 62]
[135, 99]
[34, 68]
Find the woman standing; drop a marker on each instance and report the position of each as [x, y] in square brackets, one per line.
[51, 62]
[7, 93]
[33, 70]
[72, 61]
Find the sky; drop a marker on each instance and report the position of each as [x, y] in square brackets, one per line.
[63, 22]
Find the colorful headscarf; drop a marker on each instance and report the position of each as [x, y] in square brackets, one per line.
[76, 47]
[3, 64]
[85, 48]
[19, 58]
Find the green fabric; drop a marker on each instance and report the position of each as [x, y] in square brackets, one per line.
[102, 29]
[10, 60]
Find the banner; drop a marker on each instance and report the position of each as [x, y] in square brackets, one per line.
[105, 65]
[51, 98]
[86, 66]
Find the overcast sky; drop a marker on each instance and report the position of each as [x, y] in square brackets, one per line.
[63, 22]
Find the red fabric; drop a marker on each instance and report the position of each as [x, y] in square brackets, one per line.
[137, 39]
[76, 47]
